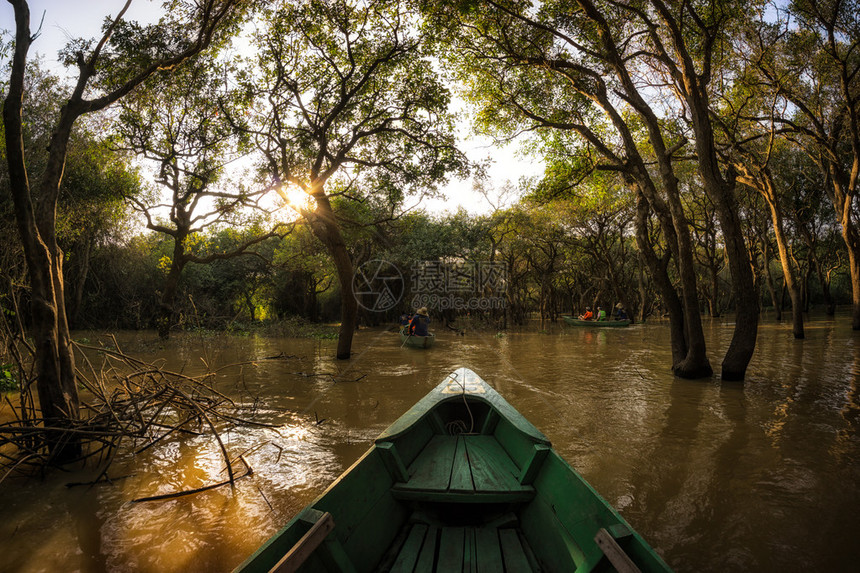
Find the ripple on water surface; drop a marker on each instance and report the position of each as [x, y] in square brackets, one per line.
[755, 476]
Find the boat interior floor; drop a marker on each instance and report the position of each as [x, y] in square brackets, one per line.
[427, 544]
[465, 469]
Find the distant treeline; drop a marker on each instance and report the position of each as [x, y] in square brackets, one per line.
[551, 258]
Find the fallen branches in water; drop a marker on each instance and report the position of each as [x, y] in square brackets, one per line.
[101, 479]
[125, 402]
[333, 377]
[174, 495]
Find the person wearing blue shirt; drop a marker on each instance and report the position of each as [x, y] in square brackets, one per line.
[419, 325]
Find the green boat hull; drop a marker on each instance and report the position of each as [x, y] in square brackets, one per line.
[460, 482]
[596, 323]
[417, 341]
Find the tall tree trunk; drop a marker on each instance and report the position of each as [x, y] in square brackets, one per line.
[693, 87]
[715, 292]
[843, 201]
[35, 213]
[325, 227]
[854, 269]
[349, 306]
[762, 181]
[721, 192]
[768, 278]
[55, 363]
[166, 306]
[743, 341]
[681, 363]
[643, 291]
[788, 273]
[80, 282]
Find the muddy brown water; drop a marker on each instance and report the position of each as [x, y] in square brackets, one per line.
[762, 475]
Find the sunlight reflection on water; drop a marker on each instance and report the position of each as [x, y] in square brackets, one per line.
[716, 476]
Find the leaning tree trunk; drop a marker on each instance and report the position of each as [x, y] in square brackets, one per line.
[673, 222]
[788, 273]
[721, 192]
[714, 302]
[842, 197]
[657, 270]
[768, 279]
[55, 363]
[349, 306]
[743, 341]
[695, 363]
[324, 226]
[764, 184]
[854, 267]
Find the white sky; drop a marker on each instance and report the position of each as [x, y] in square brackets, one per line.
[66, 19]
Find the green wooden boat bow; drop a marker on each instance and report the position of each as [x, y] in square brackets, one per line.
[460, 482]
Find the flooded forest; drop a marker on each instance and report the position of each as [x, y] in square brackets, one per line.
[223, 220]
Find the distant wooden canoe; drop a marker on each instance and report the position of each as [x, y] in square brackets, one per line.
[460, 482]
[417, 341]
[598, 323]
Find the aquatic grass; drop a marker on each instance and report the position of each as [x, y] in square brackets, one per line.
[297, 327]
[325, 335]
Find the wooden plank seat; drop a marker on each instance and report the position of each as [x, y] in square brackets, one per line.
[463, 469]
[429, 548]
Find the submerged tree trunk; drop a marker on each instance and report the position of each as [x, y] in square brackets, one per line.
[643, 291]
[80, 282]
[694, 364]
[692, 87]
[166, 305]
[657, 270]
[714, 298]
[55, 363]
[843, 197]
[35, 212]
[325, 227]
[762, 181]
[788, 274]
[743, 342]
[721, 192]
[768, 279]
[854, 268]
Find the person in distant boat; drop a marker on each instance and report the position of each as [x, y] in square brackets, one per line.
[620, 313]
[404, 319]
[420, 323]
[588, 314]
[601, 314]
